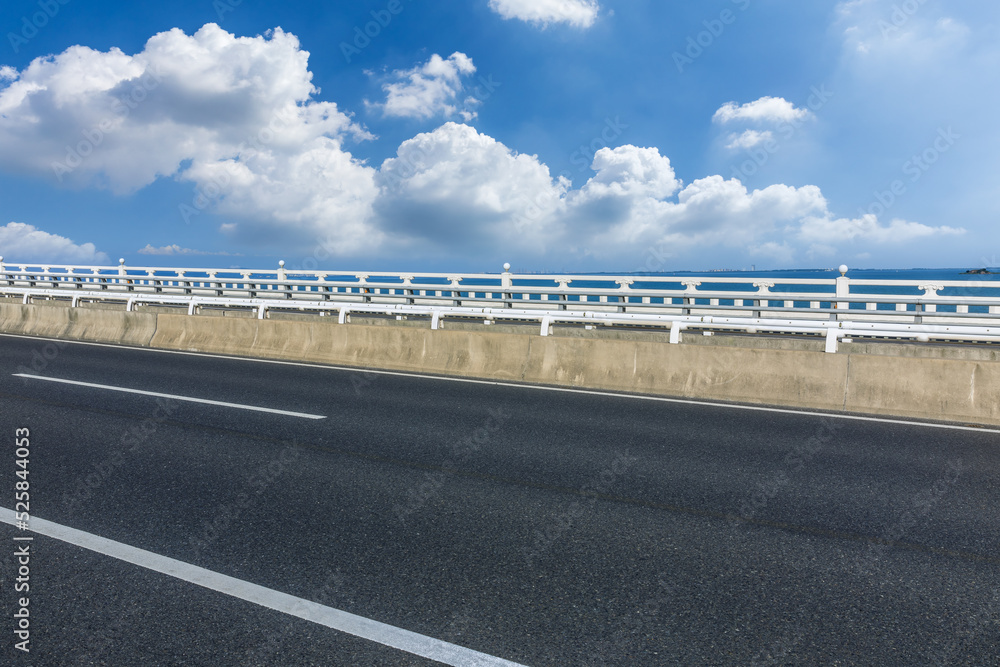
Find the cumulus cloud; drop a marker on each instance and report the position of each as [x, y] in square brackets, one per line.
[431, 89]
[457, 186]
[749, 139]
[25, 243]
[764, 110]
[634, 201]
[233, 115]
[175, 249]
[577, 13]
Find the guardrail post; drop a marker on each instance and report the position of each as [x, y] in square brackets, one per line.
[505, 284]
[362, 281]
[53, 279]
[246, 276]
[624, 284]
[123, 275]
[690, 286]
[843, 288]
[763, 289]
[456, 295]
[930, 291]
[563, 296]
[407, 292]
[282, 276]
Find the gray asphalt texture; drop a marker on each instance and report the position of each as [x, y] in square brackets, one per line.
[544, 527]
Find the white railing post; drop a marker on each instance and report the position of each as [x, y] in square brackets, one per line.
[763, 289]
[843, 288]
[563, 296]
[408, 288]
[122, 273]
[282, 276]
[930, 291]
[625, 285]
[456, 295]
[505, 286]
[362, 281]
[690, 287]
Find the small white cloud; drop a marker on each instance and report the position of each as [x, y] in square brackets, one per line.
[430, 89]
[8, 73]
[25, 243]
[175, 249]
[577, 13]
[748, 139]
[764, 110]
[822, 232]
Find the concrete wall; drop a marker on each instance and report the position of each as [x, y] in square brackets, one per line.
[937, 382]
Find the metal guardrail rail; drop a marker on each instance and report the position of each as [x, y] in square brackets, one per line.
[837, 308]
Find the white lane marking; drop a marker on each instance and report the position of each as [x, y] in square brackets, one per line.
[359, 626]
[173, 396]
[568, 390]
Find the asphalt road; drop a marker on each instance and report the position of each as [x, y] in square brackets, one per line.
[538, 526]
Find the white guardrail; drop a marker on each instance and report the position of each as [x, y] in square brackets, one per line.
[836, 308]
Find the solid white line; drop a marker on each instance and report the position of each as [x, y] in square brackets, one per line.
[569, 390]
[173, 396]
[359, 626]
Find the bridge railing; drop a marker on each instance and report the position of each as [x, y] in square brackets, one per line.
[964, 310]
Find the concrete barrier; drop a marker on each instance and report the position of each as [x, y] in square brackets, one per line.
[89, 324]
[937, 382]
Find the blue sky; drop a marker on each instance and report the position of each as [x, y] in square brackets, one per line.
[563, 135]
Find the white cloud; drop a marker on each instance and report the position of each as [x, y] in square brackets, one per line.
[577, 13]
[235, 116]
[455, 186]
[749, 139]
[828, 231]
[764, 110]
[24, 243]
[430, 89]
[175, 249]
